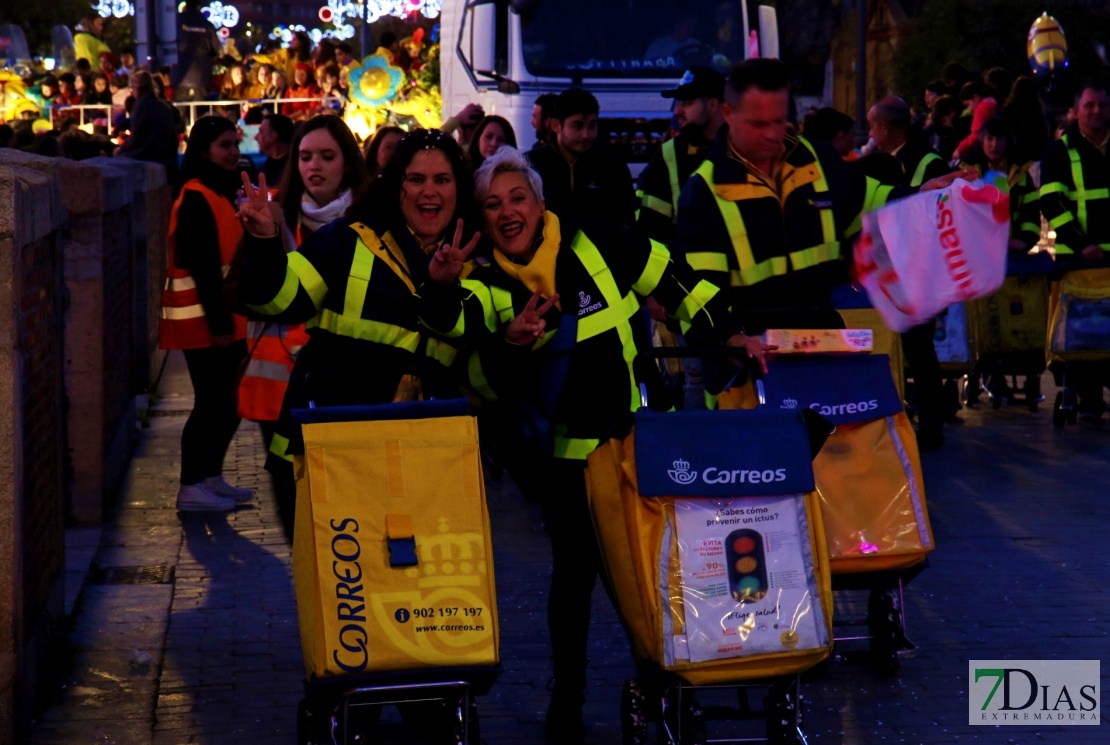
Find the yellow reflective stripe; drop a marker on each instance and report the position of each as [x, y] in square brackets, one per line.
[734, 222]
[183, 313]
[919, 172]
[309, 278]
[821, 186]
[761, 271]
[482, 294]
[441, 351]
[591, 259]
[670, 159]
[574, 448]
[502, 304]
[1089, 194]
[1030, 197]
[639, 201]
[1077, 180]
[279, 446]
[1062, 248]
[657, 263]
[477, 377]
[1059, 220]
[807, 257]
[1053, 187]
[1029, 227]
[696, 300]
[710, 401]
[605, 319]
[358, 280]
[658, 205]
[369, 330]
[707, 261]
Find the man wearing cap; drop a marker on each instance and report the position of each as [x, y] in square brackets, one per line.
[697, 108]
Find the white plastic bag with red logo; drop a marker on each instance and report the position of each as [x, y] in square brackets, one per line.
[919, 255]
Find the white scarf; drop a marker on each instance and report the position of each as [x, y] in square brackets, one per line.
[313, 216]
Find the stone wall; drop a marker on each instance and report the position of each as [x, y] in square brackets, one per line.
[32, 427]
[82, 257]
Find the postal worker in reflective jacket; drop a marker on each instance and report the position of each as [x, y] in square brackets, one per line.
[769, 215]
[557, 321]
[1075, 200]
[353, 282]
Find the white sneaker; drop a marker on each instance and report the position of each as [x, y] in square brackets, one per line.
[217, 485]
[195, 498]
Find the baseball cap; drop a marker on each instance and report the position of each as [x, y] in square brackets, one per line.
[698, 82]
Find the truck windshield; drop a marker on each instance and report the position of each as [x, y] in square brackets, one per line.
[628, 38]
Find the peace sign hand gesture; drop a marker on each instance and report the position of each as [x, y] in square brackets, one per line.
[254, 210]
[447, 262]
[529, 324]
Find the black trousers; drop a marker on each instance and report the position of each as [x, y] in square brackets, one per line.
[575, 568]
[213, 420]
[282, 481]
[921, 357]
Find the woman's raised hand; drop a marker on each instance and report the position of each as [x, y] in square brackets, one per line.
[447, 262]
[529, 324]
[254, 210]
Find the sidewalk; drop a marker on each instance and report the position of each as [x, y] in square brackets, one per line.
[186, 630]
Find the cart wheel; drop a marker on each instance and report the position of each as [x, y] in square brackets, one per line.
[473, 726]
[1058, 415]
[311, 725]
[952, 395]
[1071, 404]
[884, 622]
[693, 724]
[784, 719]
[634, 723]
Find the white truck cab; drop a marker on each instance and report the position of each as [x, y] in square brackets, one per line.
[503, 54]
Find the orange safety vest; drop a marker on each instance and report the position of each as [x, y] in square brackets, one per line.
[273, 350]
[183, 324]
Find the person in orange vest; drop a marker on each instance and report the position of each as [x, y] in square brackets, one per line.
[329, 170]
[203, 235]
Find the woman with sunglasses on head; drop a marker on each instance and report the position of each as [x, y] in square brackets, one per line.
[355, 279]
[557, 322]
[203, 236]
[326, 171]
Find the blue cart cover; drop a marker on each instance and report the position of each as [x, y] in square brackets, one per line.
[847, 389]
[722, 453]
[430, 409]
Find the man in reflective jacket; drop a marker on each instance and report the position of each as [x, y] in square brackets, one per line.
[1075, 200]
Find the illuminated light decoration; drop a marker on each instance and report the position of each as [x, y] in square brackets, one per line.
[377, 9]
[375, 81]
[285, 34]
[224, 32]
[220, 15]
[114, 8]
[327, 15]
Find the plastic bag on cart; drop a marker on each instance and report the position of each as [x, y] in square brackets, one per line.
[392, 557]
[868, 474]
[1080, 327]
[721, 575]
[921, 254]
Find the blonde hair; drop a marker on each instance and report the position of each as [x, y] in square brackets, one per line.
[507, 159]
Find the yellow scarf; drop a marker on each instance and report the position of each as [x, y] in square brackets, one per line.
[539, 273]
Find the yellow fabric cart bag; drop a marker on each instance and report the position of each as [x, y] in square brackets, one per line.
[712, 540]
[1012, 320]
[392, 557]
[1080, 328]
[868, 474]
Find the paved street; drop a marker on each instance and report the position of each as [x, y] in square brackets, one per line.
[211, 654]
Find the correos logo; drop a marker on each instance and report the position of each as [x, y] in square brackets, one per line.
[682, 474]
[859, 407]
